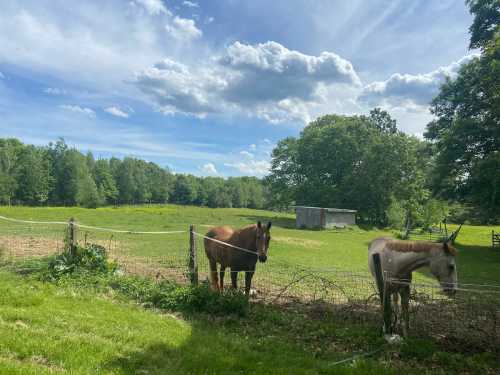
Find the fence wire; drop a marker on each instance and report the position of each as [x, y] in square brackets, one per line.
[471, 318]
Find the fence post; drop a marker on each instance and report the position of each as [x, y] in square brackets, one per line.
[72, 236]
[193, 263]
[385, 297]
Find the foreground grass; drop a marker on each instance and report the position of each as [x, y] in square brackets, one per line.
[80, 326]
[342, 249]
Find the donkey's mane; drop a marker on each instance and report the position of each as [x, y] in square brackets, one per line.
[418, 246]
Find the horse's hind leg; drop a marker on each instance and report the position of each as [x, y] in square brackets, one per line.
[221, 277]
[234, 279]
[213, 275]
[248, 282]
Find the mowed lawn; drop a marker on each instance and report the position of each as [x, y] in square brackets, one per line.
[48, 329]
[344, 249]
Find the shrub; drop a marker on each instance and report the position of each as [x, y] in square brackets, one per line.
[91, 257]
[189, 299]
[395, 214]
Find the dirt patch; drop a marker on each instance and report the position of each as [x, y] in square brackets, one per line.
[298, 241]
[27, 247]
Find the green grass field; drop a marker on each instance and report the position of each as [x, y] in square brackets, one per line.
[337, 249]
[70, 328]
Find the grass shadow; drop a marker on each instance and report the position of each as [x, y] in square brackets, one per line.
[256, 344]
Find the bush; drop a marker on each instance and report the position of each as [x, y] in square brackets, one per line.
[189, 299]
[91, 258]
[396, 215]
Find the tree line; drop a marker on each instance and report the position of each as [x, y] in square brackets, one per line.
[59, 175]
[366, 163]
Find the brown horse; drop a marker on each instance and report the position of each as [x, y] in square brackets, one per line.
[249, 244]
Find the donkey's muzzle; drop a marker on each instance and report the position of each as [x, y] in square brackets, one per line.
[450, 292]
[262, 258]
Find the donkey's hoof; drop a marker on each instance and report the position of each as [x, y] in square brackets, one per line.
[253, 293]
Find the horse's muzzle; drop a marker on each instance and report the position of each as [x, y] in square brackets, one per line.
[262, 258]
[450, 292]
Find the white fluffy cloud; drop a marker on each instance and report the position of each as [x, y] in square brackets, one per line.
[116, 111]
[175, 88]
[409, 89]
[247, 154]
[266, 80]
[190, 4]
[153, 7]
[209, 169]
[54, 91]
[77, 109]
[183, 29]
[251, 167]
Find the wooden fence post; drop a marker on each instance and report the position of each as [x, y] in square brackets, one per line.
[72, 240]
[193, 263]
[385, 297]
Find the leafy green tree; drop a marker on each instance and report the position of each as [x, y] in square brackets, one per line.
[160, 183]
[186, 189]
[33, 176]
[486, 22]
[284, 178]
[466, 132]
[354, 162]
[382, 121]
[9, 152]
[105, 182]
[87, 194]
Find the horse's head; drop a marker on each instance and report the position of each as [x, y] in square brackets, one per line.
[262, 238]
[444, 268]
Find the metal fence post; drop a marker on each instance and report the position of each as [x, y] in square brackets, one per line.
[383, 290]
[72, 240]
[193, 263]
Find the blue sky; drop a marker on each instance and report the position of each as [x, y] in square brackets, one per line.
[209, 87]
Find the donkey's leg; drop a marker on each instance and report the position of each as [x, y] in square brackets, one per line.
[221, 276]
[248, 282]
[213, 275]
[405, 306]
[395, 308]
[234, 279]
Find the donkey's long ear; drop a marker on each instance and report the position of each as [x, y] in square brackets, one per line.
[269, 224]
[446, 248]
[259, 224]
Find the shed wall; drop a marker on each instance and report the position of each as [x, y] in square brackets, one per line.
[311, 217]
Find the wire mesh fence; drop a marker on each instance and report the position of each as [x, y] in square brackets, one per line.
[472, 317]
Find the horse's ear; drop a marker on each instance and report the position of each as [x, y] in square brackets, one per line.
[259, 224]
[446, 247]
[269, 225]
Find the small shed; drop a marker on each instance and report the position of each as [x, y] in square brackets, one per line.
[318, 217]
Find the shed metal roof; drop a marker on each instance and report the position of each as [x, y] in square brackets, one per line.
[327, 209]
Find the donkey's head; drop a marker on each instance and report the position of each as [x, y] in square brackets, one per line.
[262, 238]
[443, 267]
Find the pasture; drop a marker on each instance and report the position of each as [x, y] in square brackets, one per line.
[341, 249]
[40, 321]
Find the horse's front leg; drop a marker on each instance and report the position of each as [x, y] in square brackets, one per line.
[234, 279]
[405, 312]
[213, 275]
[221, 277]
[248, 282]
